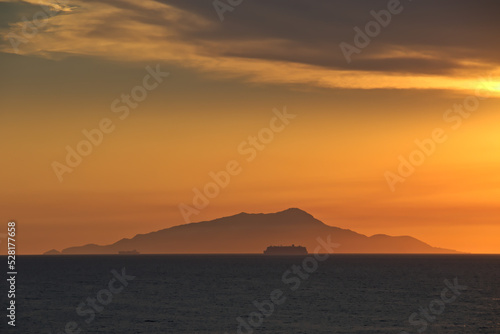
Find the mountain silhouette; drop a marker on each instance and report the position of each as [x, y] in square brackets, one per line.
[52, 252]
[253, 233]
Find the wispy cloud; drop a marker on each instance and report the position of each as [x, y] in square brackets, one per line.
[293, 42]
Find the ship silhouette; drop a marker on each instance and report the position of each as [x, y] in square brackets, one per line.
[130, 252]
[285, 250]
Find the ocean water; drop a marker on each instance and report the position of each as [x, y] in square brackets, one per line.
[223, 294]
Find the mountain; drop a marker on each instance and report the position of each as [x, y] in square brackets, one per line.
[52, 252]
[252, 233]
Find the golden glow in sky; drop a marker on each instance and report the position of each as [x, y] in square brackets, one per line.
[92, 72]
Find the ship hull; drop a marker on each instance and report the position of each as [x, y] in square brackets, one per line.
[285, 250]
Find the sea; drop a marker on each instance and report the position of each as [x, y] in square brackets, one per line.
[220, 294]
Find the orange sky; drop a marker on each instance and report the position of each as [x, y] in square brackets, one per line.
[351, 123]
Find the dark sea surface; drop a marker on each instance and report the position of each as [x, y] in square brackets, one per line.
[207, 293]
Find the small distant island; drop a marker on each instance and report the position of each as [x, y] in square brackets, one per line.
[286, 250]
[52, 252]
[131, 252]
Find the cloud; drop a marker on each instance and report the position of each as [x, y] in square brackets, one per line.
[429, 45]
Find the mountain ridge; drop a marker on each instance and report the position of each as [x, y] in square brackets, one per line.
[252, 233]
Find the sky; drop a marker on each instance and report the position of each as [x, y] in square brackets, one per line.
[126, 117]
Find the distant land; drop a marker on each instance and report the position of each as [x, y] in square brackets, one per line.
[253, 233]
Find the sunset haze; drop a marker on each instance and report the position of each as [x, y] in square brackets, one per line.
[258, 113]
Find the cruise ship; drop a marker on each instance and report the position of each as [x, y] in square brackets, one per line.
[285, 250]
[131, 252]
